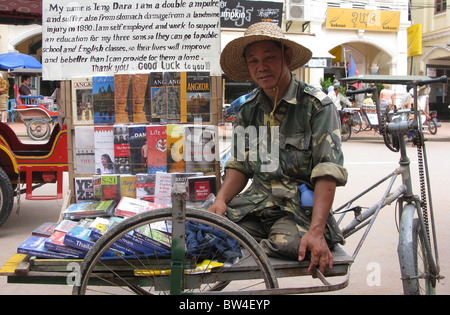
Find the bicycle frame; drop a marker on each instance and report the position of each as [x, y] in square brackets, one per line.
[409, 204]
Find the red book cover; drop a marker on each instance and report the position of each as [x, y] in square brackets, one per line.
[157, 148]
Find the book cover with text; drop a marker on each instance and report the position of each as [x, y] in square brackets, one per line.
[157, 148]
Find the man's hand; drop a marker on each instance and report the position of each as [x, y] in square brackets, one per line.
[320, 253]
[218, 207]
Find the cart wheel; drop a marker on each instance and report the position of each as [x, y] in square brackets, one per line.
[38, 129]
[235, 255]
[6, 197]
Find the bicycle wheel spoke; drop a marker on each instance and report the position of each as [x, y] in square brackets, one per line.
[215, 255]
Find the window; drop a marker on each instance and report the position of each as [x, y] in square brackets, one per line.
[440, 7]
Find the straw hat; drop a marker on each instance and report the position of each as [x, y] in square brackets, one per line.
[232, 58]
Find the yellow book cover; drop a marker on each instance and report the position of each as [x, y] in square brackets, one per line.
[128, 186]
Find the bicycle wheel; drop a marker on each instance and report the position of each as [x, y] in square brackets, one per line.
[357, 123]
[244, 264]
[415, 260]
[346, 132]
[432, 128]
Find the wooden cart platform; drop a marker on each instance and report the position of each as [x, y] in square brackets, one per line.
[25, 269]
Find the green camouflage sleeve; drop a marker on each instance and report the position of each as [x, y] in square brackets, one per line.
[327, 155]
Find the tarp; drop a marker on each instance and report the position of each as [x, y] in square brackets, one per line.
[20, 12]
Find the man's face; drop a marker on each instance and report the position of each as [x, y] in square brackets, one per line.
[265, 63]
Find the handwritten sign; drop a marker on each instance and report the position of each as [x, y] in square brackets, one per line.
[103, 37]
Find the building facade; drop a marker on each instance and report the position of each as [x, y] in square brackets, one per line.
[433, 59]
[372, 33]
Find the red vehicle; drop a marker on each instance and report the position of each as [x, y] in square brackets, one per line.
[32, 164]
[36, 116]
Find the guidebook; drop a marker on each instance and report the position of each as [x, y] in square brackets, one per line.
[55, 243]
[79, 238]
[90, 209]
[34, 246]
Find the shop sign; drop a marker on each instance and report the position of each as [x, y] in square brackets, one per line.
[242, 14]
[371, 20]
[414, 47]
[87, 38]
[318, 63]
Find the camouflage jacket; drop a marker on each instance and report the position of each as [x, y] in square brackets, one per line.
[303, 144]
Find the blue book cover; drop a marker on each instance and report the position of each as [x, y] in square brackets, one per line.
[98, 232]
[34, 246]
[104, 99]
[79, 237]
[55, 243]
[143, 246]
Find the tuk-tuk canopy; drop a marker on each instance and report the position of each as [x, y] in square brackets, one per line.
[385, 79]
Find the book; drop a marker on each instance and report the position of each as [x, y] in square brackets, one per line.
[147, 246]
[157, 148]
[182, 177]
[128, 186]
[82, 101]
[200, 187]
[158, 95]
[172, 82]
[200, 148]
[90, 209]
[103, 98]
[138, 148]
[141, 112]
[84, 150]
[175, 143]
[121, 95]
[84, 189]
[163, 188]
[198, 97]
[104, 149]
[97, 184]
[128, 207]
[55, 243]
[65, 226]
[110, 187]
[121, 149]
[34, 246]
[45, 229]
[153, 235]
[145, 186]
[99, 227]
[79, 238]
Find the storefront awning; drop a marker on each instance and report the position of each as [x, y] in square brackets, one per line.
[20, 12]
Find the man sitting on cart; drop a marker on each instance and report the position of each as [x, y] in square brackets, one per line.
[309, 151]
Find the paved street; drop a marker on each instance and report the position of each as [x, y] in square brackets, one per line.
[376, 269]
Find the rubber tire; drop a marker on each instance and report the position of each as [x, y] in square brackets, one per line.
[6, 197]
[346, 132]
[432, 128]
